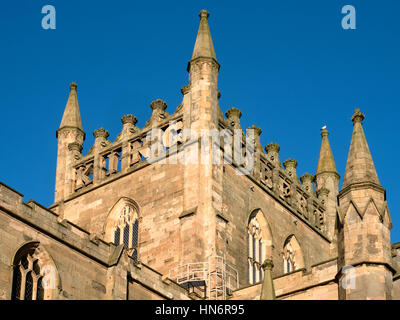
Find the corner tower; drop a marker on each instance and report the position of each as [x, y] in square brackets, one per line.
[327, 180]
[202, 178]
[364, 224]
[203, 71]
[69, 135]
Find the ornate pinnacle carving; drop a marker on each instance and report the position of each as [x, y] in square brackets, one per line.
[75, 146]
[99, 133]
[233, 116]
[272, 147]
[358, 116]
[185, 89]
[324, 132]
[257, 130]
[290, 169]
[159, 105]
[128, 118]
[233, 113]
[73, 86]
[267, 288]
[273, 153]
[307, 178]
[257, 133]
[267, 265]
[290, 164]
[204, 14]
[307, 181]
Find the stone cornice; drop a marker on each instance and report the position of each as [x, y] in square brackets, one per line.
[199, 59]
[70, 128]
[329, 172]
[361, 185]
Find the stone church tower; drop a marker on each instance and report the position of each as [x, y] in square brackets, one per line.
[191, 206]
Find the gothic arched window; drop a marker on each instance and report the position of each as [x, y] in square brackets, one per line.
[28, 275]
[292, 256]
[289, 264]
[256, 252]
[126, 230]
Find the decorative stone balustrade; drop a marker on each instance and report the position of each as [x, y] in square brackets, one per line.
[285, 185]
[106, 160]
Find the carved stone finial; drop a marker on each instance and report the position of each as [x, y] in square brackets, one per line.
[290, 169]
[158, 105]
[358, 116]
[272, 147]
[324, 132]
[267, 288]
[273, 153]
[305, 178]
[307, 181]
[73, 85]
[233, 116]
[101, 133]
[129, 118]
[75, 146]
[185, 89]
[204, 14]
[233, 113]
[257, 130]
[267, 265]
[290, 164]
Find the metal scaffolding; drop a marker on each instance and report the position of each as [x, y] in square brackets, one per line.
[213, 279]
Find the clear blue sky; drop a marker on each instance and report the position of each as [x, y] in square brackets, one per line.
[288, 65]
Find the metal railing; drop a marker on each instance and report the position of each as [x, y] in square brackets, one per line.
[216, 276]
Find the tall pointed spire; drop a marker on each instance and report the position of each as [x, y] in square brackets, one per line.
[72, 115]
[359, 167]
[204, 46]
[326, 163]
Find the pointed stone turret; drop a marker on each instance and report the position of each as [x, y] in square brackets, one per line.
[327, 179]
[70, 132]
[204, 47]
[201, 113]
[360, 167]
[326, 163]
[72, 115]
[203, 77]
[364, 225]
